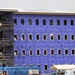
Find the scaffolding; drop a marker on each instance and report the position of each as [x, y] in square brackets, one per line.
[6, 38]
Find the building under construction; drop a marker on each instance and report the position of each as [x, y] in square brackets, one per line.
[6, 37]
[37, 38]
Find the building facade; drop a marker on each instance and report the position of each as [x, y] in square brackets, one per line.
[44, 39]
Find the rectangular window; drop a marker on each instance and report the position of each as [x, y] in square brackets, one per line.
[72, 22]
[23, 52]
[51, 22]
[37, 22]
[66, 52]
[45, 67]
[51, 36]
[30, 52]
[38, 52]
[52, 52]
[58, 22]
[65, 22]
[45, 52]
[38, 65]
[65, 37]
[73, 51]
[72, 37]
[29, 21]
[15, 21]
[44, 22]
[22, 37]
[15, 37]
[22, 21]
[59, 52]
[15, 52]
[30, 37]
[44, 37]
[58, 37]
[37, 37]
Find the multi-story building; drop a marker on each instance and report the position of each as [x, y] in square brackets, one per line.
[43, 39]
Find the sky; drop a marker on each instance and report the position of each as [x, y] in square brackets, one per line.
[41, 5]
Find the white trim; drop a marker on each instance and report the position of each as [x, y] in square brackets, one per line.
[29, 38]
[43, 37]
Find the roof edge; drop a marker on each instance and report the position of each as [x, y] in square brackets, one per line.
[8, 10]
[45, 13]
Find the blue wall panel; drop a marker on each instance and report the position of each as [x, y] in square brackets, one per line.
[41, 44]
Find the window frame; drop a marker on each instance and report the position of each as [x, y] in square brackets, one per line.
[37, 21]
[58, 22]
[22, 21]
[50, 37]
[38, 65]
[29, 52]
[29, 38]
[15, 21]
[44, 21]
[53, 52]
[71, 37]
[44, 67]
[65, 22]
[25, 52]
[46, 52]
[24, 37]
[17, 37]
[74, 51]
[51, 22]
[60, 52]
[72, 22]
[43, 37]
[14, 52]
[65, 50]
[39, 52]
[57, 37]
[36, 37]
[64, 37]
[29, 21]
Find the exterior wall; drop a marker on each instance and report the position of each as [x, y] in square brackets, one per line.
[47, 44]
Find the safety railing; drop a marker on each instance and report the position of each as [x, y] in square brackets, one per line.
[4, 42]
[4, 57]
[6, 26]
